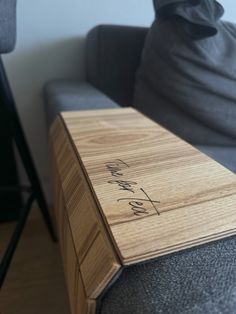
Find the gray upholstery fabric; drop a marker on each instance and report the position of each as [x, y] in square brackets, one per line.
[175, 119]
[73, 95]
[113, 55]
[187, 84]
[224, 155]
[199, 18]
[7, 25]
[197, 281]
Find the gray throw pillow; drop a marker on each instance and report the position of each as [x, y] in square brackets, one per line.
[187, 77]
[7, 25]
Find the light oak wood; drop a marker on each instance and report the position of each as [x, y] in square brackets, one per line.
[197, 195]
[87, 252]
[130, 190]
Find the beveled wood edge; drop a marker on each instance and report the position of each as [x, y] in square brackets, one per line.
[90, 309]
[117, 267]
[177, 248]
[102, 216]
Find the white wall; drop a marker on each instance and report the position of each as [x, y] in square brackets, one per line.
[50, 45]
[230, 9]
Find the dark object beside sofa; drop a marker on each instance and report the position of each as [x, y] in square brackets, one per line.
[200, 280]
[14, 131]
[10, 202]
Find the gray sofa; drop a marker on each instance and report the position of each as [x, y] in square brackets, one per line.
[200, 280]
[113, 54]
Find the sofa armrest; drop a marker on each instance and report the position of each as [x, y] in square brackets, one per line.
[63, 95]
[113, 55]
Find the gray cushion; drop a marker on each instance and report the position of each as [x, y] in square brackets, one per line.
[187, 84]
[174, 118]
[7, 25]
[73, 95]
[199, 17]
[201, 280]
[224, 155]
[196, 281]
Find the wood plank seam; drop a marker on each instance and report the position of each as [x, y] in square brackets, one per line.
[56, 160]
[86, 177]
[90, 189]
[63, 240]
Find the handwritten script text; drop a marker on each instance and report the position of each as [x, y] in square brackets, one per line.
[140, 206]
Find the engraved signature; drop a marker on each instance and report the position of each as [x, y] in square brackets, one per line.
[139, 206]
[116, 167]
[124, 185]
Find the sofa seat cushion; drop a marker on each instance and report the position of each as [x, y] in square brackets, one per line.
[73, 95]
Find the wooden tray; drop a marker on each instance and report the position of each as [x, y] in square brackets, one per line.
[127, 190]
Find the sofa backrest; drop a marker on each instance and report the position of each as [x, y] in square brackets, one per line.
[113, 56]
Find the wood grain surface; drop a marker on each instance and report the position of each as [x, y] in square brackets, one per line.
[156, 193]
[89, 259]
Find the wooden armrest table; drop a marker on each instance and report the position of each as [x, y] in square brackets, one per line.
[127, 190]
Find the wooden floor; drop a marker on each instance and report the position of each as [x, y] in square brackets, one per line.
[35, 283]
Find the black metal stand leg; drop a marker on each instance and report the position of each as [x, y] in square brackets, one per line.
[33, 177]
[34, 181]
[7, 258]
[7, 101]
[45, 213]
